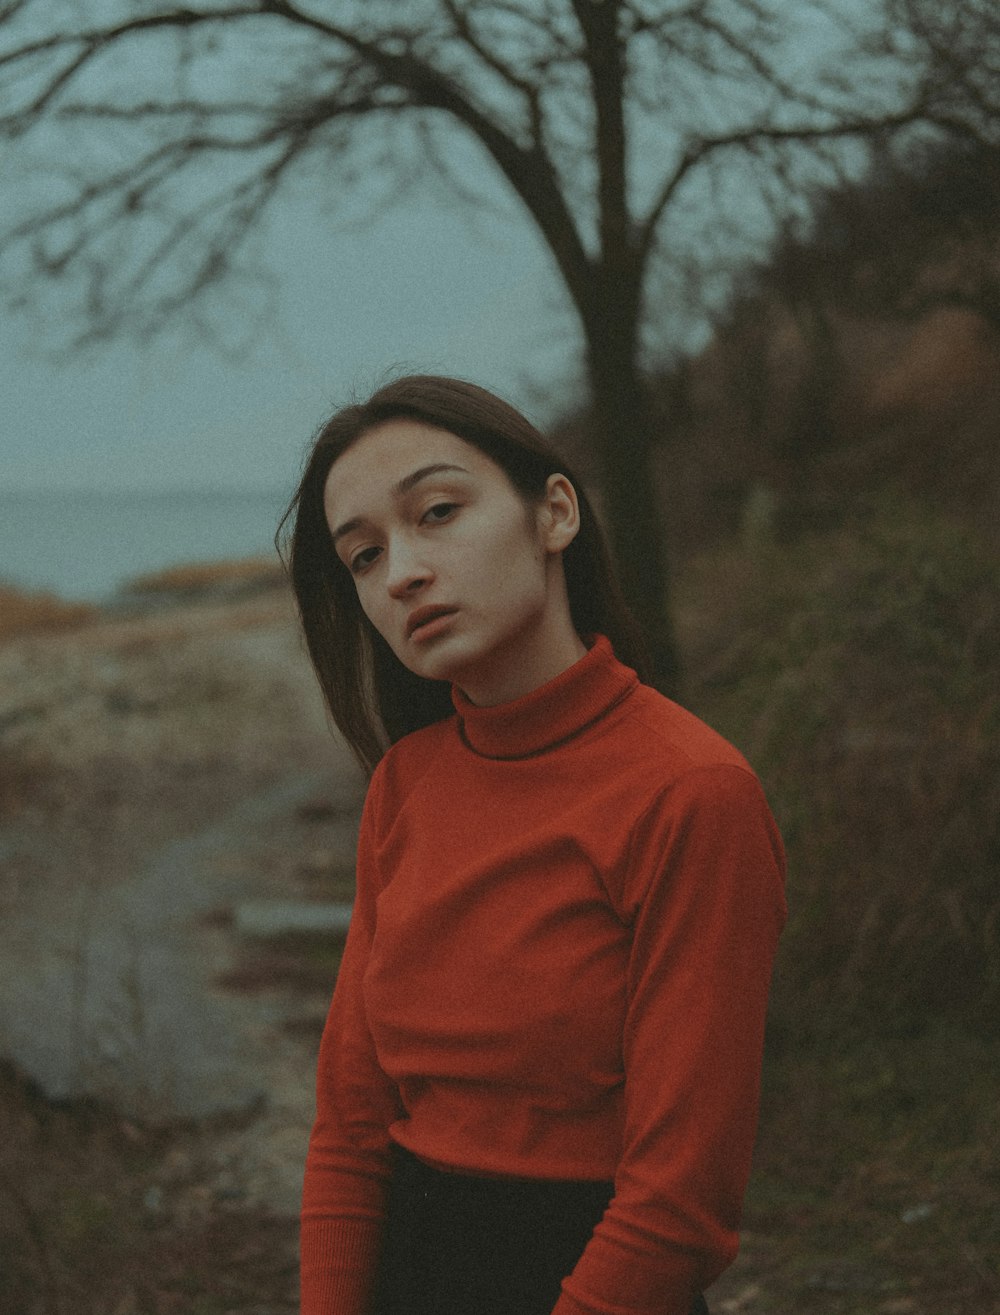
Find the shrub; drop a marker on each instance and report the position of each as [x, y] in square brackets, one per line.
[860, 673]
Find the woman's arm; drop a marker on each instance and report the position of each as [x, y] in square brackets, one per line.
[347, 1164]
[704, 894]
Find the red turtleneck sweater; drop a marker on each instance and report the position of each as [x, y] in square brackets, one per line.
[558, 966]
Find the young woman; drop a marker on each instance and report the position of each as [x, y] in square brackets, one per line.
[538, 1080]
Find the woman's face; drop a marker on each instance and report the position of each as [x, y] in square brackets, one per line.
[462, 579]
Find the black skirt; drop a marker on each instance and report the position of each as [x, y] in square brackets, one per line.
[455, 1244]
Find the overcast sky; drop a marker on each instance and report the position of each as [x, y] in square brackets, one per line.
[420, 288]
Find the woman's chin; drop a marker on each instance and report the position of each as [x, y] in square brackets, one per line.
[437, 659]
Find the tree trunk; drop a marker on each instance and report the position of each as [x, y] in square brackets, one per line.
[624, 435]
[610, 301]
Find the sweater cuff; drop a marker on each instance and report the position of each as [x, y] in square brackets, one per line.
[339, 1259]
[612, 1280]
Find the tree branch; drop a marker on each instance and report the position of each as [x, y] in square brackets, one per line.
[701, 149]
[529, 171]
[96, 38]
[464, 30]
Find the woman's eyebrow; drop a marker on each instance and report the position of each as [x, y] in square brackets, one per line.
[403, 487]
[414, 478]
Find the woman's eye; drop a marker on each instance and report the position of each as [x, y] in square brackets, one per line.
[362, 559]
[441, 511]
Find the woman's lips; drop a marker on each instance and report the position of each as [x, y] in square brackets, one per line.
[428, 622]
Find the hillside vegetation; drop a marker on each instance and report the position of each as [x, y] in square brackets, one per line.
[835, 469]
[863, 354]
[860, 672]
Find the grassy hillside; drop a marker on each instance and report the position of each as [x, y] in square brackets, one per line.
[860, 671]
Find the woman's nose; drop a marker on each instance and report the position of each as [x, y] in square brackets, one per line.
[407, 572]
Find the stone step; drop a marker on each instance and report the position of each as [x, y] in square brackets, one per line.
[281, 917]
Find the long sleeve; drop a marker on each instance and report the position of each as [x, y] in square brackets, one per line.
[347, 1163]
[704, 895]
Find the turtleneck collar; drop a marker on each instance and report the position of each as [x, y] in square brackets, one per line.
[556, 711]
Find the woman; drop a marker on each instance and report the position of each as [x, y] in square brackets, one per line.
[538, 1080]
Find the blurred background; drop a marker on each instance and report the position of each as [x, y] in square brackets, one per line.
[741, 258]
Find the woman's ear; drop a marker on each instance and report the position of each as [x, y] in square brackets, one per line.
[559, 518]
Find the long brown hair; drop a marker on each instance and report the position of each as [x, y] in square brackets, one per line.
[372, 697]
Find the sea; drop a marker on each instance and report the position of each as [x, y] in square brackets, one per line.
[88, 545]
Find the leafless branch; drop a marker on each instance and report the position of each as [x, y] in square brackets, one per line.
[96, 39]
[751, 139]
[466, 33]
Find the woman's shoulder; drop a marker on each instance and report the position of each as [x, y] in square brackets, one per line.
[674, 737]
[410, 756]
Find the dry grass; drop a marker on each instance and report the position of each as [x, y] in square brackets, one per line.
[99, 1216]
[25, 779]
[875, 1190]
[204, 576]
[23, 613]
[860, 673]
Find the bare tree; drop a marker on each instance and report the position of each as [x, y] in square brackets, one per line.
[174, 129]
